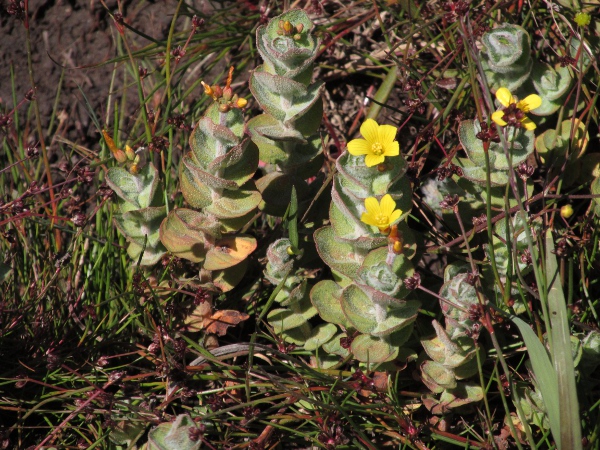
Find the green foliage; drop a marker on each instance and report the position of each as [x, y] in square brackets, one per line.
[216, 178]
[554, 146]
[500, 335]
[142, 210]
[367, 298]
[520, 144]
[508, 63]
[452, 350]
[173, 436]
[286, 133]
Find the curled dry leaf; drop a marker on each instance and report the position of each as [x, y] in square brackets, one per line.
[202, 319]
[221, 320]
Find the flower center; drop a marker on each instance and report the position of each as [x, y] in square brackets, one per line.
[377, 149]
[382, 219]
[513, 115]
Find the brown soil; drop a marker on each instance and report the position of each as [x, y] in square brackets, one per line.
[77, 39]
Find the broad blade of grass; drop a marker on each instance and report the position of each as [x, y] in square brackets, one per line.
[562, 356]
[544, 373]
[383, 93]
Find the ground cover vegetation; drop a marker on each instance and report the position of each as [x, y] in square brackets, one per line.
[312, 224]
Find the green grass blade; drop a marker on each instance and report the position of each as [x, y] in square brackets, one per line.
[293, 220]
[562, 356]
[543, 372]
[383, 92]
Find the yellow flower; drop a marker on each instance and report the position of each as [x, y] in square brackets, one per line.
[514, 112]
[582, 19]
[380, 215]
[378, 143]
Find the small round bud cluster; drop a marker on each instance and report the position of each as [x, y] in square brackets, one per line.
[449, 202]
[413, 282]
[287, 29]
[582, 19]
[225, 96]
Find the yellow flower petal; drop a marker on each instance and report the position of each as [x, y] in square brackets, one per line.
[372, 206]
[530, 102]
[387, 134]
[372, 160]
[395, 216]
[392, 149]
[528, 124]
[369, 220]
[358, 147]
[504, 97]
[387, 205]
[370, 131]
[497, 117]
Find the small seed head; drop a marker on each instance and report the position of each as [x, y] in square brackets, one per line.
[79, 219]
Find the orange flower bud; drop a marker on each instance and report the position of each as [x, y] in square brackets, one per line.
[397, 247]
[207, 89]
[118, 154]
[241, 102]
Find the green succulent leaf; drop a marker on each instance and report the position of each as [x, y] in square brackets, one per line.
[507, 48]
[378, 273]
[285, 55]
[550, 83]
[185, 233]
[321, 334]
[334, 347]
[478, 175]
[437, 377]
[283, 98]
[339, 255]
[227, 279]
[233, 204]
[520, 144]
[373, 349]
[325, 297]
[142, 225]
[173, 435]
[138, 190]
[372, 312]
[210, 140]
[229, 251]
[285, 319]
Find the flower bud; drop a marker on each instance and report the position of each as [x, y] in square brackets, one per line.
[130, 153]
[118, 154]
[287, 27]
[217, 92]
[227, 93]
[207, 89]
[566, 211]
